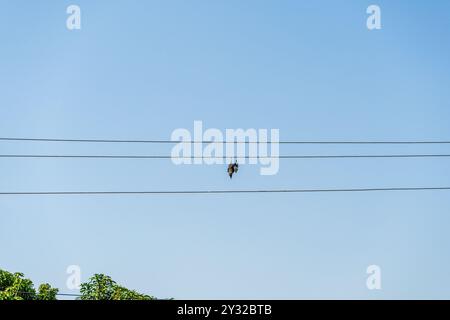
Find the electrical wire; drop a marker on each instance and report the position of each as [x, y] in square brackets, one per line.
[224, 157]
[177, 192]
[206, 141]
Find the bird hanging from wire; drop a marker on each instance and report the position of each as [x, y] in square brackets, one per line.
[232, 168]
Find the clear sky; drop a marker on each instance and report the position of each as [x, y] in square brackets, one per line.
[141, 69]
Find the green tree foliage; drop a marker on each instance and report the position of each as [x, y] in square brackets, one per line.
[102, 287]
[46, 292]
[13, 286]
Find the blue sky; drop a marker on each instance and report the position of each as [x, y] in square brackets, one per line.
[141, 69]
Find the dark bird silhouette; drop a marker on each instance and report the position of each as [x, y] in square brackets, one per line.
[232, 168]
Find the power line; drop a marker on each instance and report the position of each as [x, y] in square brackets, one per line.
[225, 157]
[56, 294]
[224, 191]
[69, 294]
[31, 293]
[206, 141]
